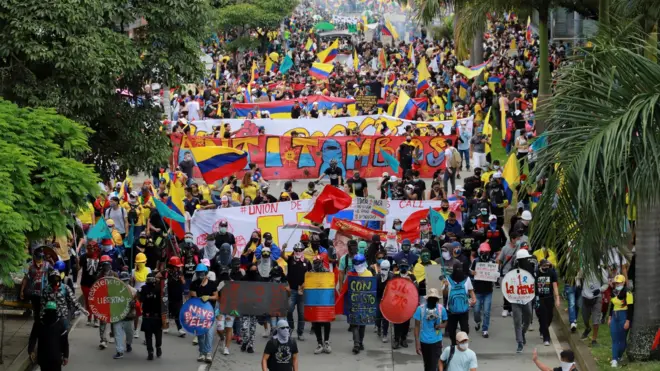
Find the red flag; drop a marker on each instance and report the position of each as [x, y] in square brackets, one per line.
[656, 342]
[330, 201]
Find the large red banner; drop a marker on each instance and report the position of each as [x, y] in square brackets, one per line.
[286, 157]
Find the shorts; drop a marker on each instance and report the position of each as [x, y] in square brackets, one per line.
[224, 321]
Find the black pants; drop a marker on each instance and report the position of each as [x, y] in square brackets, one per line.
[507, 305]
[401, 331]
[544, 313]
[431, 355]
[152, 327]
[521, 160]
[50, 366]
[317, 327]
[382, 324]
[174, 309]
[453, 322]
[358, 334]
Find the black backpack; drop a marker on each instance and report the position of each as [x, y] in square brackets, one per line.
[452, 350]
[132, 214]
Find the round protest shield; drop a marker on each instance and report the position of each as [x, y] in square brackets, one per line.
[518, 286]
[399, 300]
[109, 299]
[196, 316]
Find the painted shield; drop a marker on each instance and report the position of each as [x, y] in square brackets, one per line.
[399, 300]
[197, 316]
[109, 299]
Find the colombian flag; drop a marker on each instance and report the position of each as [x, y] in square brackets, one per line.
[389, 30]
[247, 95]
[175, 203]
[493, 81]
[463, 89]
[309, 45]
[319, 297]
[405, 107]
[329, 54]
[217, 162]
[510, 176]
[423, 77]
[321, 71]
[528, 33]
[378, 211]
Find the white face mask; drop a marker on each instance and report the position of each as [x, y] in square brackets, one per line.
[464, 346]
[446, 255]
[566, 366]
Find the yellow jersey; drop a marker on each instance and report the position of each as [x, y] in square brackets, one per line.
[619, 304]
[547, 254]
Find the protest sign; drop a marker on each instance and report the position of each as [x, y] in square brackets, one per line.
[486, 272]
[518, 286]
[434, 275]
[365, 208]
[255, 298]
[109, 299]
[399, 300]
[196, 316]
[366, 103]
[319, 297]
[360, 301]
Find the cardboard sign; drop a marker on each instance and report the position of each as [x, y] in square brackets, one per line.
[319, 297]
[518, 286]
[399, 300]
[366, 102]
[369, 209]
[360, 302]
[255, 298]
[434, 275]
[109, 299]
[196, 316]
[486, 272]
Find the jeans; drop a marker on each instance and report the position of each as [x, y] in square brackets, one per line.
[358, 334]
[484, 302]
[296, 300]
[123, 334]
[465, 155]
[522, 316]
[452, 324]
[573, 296]
[431, 355]
[450, 178]
[205, 342]
[618, 334]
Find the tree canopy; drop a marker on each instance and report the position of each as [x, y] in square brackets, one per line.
[42, 179]
[243, 17]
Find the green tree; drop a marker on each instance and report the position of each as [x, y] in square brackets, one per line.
[77, 56]
[603, 126]
[42, 179]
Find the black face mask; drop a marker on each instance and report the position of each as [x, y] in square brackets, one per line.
[445, 208]
[431, 303]
[316, 244]
[254, 239]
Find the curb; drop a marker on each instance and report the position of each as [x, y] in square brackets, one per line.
[22, 362]
[583, 357]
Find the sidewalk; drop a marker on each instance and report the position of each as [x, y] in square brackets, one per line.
[17, 329]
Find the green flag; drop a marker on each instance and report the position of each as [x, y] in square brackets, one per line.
[437, 222]
[99, 231]
[286, 65]
[128, 242]
[166, 212]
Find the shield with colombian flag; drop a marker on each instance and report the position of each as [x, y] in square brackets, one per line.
[109, 299]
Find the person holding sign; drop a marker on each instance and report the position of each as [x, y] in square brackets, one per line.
[483, 290]
[360, 268]
[430, 319]
[207, 290]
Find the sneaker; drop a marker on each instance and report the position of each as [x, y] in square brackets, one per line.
[266, 334]
[250, 350]
[89, 322]
[118, 356]
[520, 348]
[150, 357]
[326, 347]
[585, 334]
[546, 343]
[396, 344]
[243, 347]
[96, 323]
[195, 340]
[477, 327]
[573, 327]
[485, 334]
[75, 285]
[524, 340]
[201, 358]
[112, 340]
[301, 337]
[385, 339]
[136, 335]
[159, 352]
[319, 349]
[356, 349]
[594, 344]
[129, 348]
[182, 333]
[226, 351]
[103, 345]
[404, 343]
[208, 358]
[505, 313]
[166, 331]
[614, 363]
[361, 346]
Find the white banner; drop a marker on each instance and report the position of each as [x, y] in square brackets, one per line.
[329, 126]
[486, 272]
[369, 209]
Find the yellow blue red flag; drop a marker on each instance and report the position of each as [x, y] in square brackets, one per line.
[321, 71]
[217, 162]
[329, 54]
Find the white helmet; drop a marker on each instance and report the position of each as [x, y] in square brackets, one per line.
[522, 254]
[526, 215]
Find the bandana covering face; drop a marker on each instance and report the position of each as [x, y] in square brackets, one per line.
[360, 268]
[299, 255]
[283, 335]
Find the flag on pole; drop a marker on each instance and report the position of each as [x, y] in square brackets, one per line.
[437, 222]
[321, 71]
[411, 55]
[488, 129]
[391, 161]
[528, 32]
[287, 63]
[329, 54]
[356, 60]
[330, 201]
[423, 77]
[217, 162]
[510, 176]
[99, 231]
[309, 45]
[405, 107]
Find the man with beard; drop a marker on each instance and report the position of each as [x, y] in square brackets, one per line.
[298, 266]
[458, 288]
[430, 319]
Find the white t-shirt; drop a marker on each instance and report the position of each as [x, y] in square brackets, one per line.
[193, 110]
[616, 259]
[138, 284]
[461, 361]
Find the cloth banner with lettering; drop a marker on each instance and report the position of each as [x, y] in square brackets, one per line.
[285, 157]
[254, 298]
[109, 299]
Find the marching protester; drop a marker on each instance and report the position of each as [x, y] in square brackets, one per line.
[50, 333]
[123, 329]
[281, 352]
[458, 357]
[483, 291]
[547, 295]
[322, 329]
[89, 266]
[621, 311]
[401, 329]
[360, 268]
[175, 288]
[385, 275]
[460, 297]
[298, 266]
[430, 318]
[151, 303]
[207, 290]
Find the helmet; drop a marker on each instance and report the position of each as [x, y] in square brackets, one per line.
[124, 276]
[60, 266]
[175, 261]
[54, 273]
[297, 247]
[106, 259]
[484, 248]
[619, 279]
[359, 259]
[201, 268]
[522, 254]
[526, 215]
[140, 258]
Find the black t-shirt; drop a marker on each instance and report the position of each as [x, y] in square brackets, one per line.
[281, 355]
[156, 221]
[264, 200]
[420, 187]
[208, 289]
[334, 174]
[190, 205]
[405, 153]
[359, 185]
[224, 238]
[174, 286]
[296, 271]
[187, 168]
[480, 287]
[544, 283]
[295, 112]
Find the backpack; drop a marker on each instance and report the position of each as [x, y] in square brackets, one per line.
[456, 160]
[132, 214]
[457, 300]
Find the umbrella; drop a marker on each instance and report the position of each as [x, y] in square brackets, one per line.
[303, 227]
[324, 26]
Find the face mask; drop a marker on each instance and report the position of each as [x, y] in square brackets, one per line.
[143, 241]
[474, 221]
[496, 167]
[484, 257]
[432, 303]
[403, 269]
[619, 288]
[464, 346]
[223, 230]
[543, 270]
[268, 243]
[426, 258]
[457, 252]
[254, 239]
[316, 244]
[189, 240]
[460, 193]
[445, 208]
[200, 275]
[408, 140]
[566, 366]
[299, 255]
[106, 248]
[397, 227]
[361, 250]
[493, 224]
[151, 280]
[485, 212]
[405, 248]
[446, 255]
[380, 260]
[106, 267]
[283, 335]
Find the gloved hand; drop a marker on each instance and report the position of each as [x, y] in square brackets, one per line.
[205, 298]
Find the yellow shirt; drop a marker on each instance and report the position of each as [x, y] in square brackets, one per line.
[140, 213]
[540, 254]
[86, 214]
[146, 211]
[250, 190]
[305, 196]
[366, 273]
[116, 238]
[419, 270]
[485, 177]
[478, 113]
[618, 304]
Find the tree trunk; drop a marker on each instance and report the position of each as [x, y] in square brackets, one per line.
[646, 319]
[477, 53]
[604, 12]
[544, 65]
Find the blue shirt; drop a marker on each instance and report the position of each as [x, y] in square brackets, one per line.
[465, 136]
[427, 333]
[275, 251]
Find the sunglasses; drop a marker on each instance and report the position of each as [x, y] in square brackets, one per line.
[284, 328]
